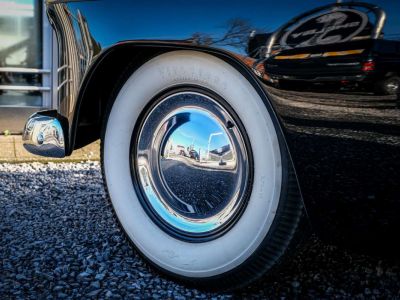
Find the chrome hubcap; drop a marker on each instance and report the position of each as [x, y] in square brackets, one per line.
[191, 164]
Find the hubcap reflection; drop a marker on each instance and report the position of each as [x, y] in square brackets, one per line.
[192, 164]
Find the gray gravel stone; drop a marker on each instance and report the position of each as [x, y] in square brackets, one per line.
[59, 240]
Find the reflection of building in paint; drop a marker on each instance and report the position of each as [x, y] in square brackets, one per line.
[78, 51]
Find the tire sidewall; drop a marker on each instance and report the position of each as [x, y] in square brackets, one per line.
[212, 258]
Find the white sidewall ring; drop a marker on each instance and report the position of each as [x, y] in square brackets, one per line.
[224, 253]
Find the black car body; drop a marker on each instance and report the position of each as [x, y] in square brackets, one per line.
[344, 145]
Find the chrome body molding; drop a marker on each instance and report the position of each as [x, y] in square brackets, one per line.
[43, 135]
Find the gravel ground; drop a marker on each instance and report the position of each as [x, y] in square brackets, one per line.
[59, 240]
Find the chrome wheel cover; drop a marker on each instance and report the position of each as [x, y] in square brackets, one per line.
[192, 164]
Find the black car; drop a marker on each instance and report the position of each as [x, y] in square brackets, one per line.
[146, 77]
[341, 49]
[371, 65]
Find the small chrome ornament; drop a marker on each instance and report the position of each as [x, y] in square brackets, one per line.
[43, 135]
[192, 164]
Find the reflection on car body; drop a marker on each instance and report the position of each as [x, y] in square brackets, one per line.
[340, 48]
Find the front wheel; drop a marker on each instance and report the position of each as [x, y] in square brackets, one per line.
[221, 220]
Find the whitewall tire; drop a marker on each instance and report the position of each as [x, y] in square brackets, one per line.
[257, 226]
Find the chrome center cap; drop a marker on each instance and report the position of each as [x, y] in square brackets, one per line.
[192, 164]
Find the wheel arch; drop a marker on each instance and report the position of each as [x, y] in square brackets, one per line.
[97, 88]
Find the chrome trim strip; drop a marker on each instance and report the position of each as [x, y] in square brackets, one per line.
[24, 88]
[25, 70]
[43, 135]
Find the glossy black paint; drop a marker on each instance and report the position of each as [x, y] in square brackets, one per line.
[343, 137]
